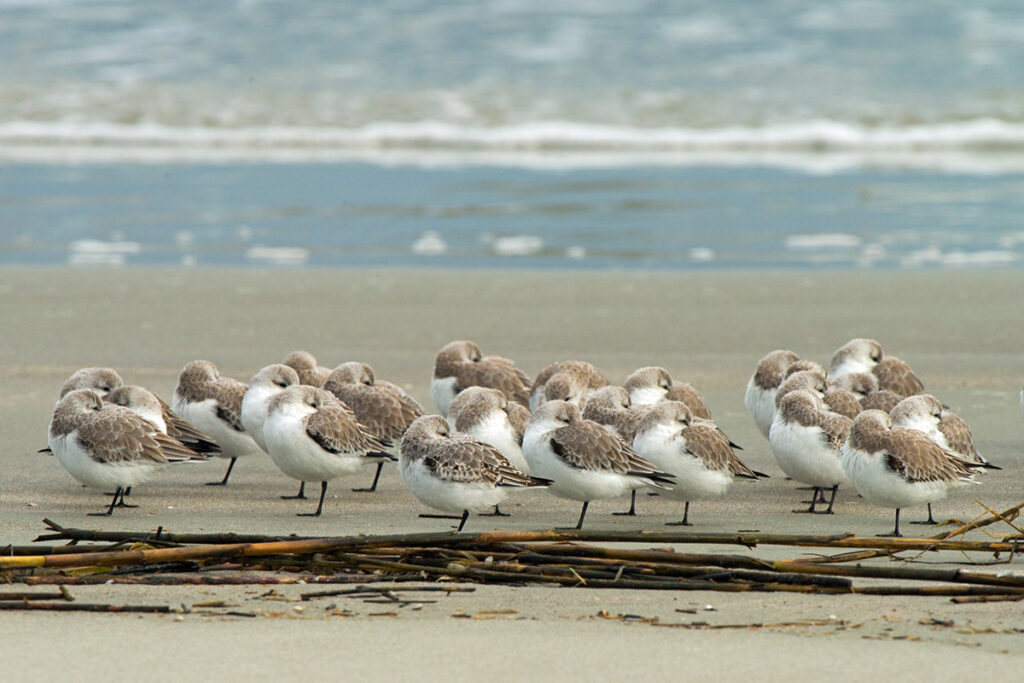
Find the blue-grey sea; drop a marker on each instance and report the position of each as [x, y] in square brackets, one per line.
[564, 133]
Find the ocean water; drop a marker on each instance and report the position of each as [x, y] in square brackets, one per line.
[566, 133]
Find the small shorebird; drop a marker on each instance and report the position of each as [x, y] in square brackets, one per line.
[106, 445]
[895, 467]
[691, 449]
[647, 386]
[305, 365]
[312, 436]
[610, 406]
[100, 380]
[454, 472]
[807, 440]
[763, 385]
[924, 413]
[382, 407]
[487, 416]
[149, 406]
[461, 364]
[896, 376]
[805, 380]
[573, 379]
[856, 355]
[584, 460]
[213, 404]
[264, 385]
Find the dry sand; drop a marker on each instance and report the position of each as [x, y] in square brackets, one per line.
[960, 330]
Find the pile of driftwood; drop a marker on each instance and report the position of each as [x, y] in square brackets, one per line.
[561, 557]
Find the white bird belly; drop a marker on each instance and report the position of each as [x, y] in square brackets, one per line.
[803, 454]
[449, 496]
[442, 392]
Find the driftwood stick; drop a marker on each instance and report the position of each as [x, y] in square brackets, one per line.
[28, 595]
[205, 580]
[84, 607]
[958, 575]
[310, 546]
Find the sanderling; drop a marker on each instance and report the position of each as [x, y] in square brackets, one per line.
[691, 449]
[856, 355]
[100, 380]
[584, 460]
[454, 472]
[764, 383]
[896, 376]
[649, 385]
[213, 404]
[305, 365]
[312, 436]
[106, 445]
[264, 385]
[896, 467]
[926, 414]
[807, 441]
[576, 379]
[382, 407]
[149, 406]
[461, 364]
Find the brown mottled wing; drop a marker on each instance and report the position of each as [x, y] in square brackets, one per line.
[835, 429]
[958, 436]
[518, 417]
[184, 432]
[705, 442]
[688, 394]
[411, 409]
[462, 458]
[587, 445]
[117, 435]
[337, 431]
[509, 380]
[896, 376]
[544, 376]
[917, 458]
[883, 400]
[228, 394]
[843, 402]
[377, 409]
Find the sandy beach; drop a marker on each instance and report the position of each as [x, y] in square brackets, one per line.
[960, 330]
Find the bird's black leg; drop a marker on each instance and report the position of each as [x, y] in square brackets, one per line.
[113, 503]
[376, 477]
[497, 513]
[831, 500]
[686, 515]
[583, 513]
[301, 495]
[224, 481]
[815, 499]
[465, 516]
[120, 500]
[631, 512]
[320, 507]
[930, 520]
[896, 530]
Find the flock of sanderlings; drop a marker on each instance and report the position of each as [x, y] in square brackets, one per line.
[864, 420]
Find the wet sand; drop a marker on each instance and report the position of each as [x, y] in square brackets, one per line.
[960, 330]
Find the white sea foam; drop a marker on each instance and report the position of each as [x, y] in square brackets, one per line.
[278, 256]
[701, 254]
[818, 135]
[518, 245]
[836, 240]
[429, 244]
